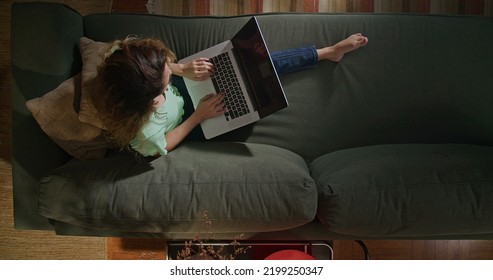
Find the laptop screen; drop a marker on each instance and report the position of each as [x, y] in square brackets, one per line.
[254, 57]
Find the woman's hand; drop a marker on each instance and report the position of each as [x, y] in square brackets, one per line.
[210, 106]
[199, 69]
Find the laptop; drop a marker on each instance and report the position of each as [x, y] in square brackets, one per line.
[244, 72]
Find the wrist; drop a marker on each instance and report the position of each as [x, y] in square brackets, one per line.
[176, 68]
[195, 118]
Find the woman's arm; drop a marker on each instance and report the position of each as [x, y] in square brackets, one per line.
[210, 106]
[198, 69]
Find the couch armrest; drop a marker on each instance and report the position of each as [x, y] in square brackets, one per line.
[44, 42]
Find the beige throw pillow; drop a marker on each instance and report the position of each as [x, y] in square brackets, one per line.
[91, 85]
[56, 115]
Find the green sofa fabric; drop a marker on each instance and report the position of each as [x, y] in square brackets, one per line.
[400, 190]
[43, 55]
[407, 85]
[243, 187]
[394, 141]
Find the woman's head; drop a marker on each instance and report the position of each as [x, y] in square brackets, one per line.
[132, 73]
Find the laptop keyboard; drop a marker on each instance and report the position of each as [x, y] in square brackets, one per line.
[225, 81]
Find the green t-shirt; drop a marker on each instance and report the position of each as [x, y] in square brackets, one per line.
[150, 140]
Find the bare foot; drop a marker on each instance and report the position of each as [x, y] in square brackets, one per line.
[336, 52]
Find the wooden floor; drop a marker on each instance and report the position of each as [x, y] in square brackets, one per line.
[142, 248]
[417, 250]
[152, 249]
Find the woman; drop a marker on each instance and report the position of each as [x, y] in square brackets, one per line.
[142, 107]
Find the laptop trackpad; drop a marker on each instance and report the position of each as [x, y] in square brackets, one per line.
[199, 90]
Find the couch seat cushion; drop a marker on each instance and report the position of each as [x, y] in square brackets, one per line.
[243, 188]
[406, 190]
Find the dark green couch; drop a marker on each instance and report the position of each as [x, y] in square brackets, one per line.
[393, 142]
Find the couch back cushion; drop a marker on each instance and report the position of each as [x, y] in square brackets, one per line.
[420, 78]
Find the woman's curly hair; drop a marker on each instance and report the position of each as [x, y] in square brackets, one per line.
[132, 76]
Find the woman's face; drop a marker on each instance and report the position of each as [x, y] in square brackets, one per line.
[159, 100]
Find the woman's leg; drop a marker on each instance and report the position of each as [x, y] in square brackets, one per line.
[298, 59]
[294, 60]
[336, 52]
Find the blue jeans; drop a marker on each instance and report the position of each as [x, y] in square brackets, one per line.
[294, 60]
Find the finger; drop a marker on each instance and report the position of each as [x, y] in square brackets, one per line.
[207, 97]
[217, 99]
[206, 66]
[221, 107]
[207, 63]
[220, 96]
[202, 60]
[203, 70]
[202, 75]
[222, 110]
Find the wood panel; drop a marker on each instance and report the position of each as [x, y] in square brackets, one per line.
[129, 6]
[135, 249]
[145, 249]
[417, 250]
[230, 7]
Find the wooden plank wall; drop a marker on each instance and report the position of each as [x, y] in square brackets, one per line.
[229, 7]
